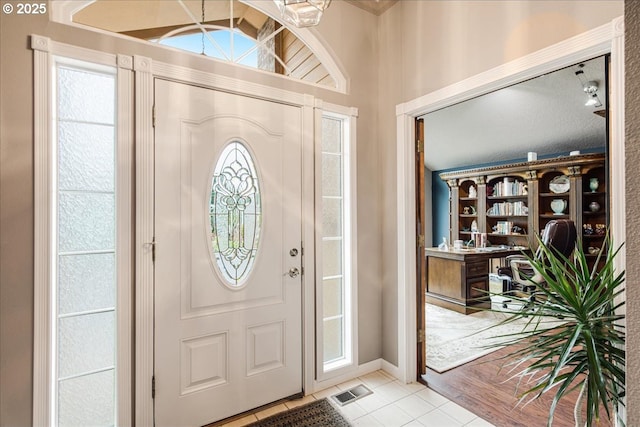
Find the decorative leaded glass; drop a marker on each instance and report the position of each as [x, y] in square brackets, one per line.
[235, 212]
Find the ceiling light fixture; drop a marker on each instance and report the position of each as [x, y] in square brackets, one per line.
[302, 13]
[590, 88]
[202, 23]
[593, 101]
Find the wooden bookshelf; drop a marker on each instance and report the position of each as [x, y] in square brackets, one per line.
[523, 196]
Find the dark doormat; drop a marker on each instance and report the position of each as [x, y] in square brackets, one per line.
[320, 413]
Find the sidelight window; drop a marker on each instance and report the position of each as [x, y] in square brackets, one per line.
[83, 157]
[336, 252]
[85, 247]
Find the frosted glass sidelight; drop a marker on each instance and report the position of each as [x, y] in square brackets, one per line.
[331, 135]
[331, 175]
[86, 155]
[235, 213]
[332, 297]
[333, 339]
[85, 343]
[331, 258]
[87, 401]
[84, 339]
[86, 96]
[86, 221]
[86, 282]
[331, 217]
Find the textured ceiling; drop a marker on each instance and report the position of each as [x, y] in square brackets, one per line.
[546, 115]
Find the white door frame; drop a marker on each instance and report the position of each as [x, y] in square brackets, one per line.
[46, 53]
[146, 71]
[608, 38]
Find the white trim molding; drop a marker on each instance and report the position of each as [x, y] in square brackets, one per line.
[47, 54]
[358, 371]
[349, 363]
[145, 240]
[606, 39]
[407, 328]
[42, 376]
[191, 76]
[124, 233]
[617, 141]
[308, 245]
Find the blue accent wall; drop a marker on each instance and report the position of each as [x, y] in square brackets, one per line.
[440, 193]
[440, 204]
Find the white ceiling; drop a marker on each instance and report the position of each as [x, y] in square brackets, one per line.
[130, 15]
[546, 115]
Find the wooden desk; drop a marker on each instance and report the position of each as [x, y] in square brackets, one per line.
[459, 279]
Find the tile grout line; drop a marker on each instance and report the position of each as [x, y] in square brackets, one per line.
[380, 379]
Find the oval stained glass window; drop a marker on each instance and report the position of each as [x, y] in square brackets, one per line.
[235, 213]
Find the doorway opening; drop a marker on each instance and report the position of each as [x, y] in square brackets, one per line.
[454, 210]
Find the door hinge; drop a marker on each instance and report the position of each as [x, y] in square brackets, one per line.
[153, 387]
[420, 146]
[153, 250]
[153, 116]
[421, 335]
[421, 241]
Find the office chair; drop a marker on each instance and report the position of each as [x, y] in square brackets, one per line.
[560, 236]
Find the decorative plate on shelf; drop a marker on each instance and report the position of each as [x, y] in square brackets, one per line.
[560, 184]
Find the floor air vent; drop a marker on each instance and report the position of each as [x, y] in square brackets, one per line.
[351, 395]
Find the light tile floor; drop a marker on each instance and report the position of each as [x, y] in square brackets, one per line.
[392, 404]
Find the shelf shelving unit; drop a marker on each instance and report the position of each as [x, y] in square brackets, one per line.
[522, 191]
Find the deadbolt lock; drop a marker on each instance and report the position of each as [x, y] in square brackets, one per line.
[294, 272]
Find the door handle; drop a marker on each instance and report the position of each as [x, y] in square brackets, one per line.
[293, 272]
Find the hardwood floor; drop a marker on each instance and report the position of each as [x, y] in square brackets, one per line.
[479, 387]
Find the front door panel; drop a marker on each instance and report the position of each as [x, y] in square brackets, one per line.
[228, 203]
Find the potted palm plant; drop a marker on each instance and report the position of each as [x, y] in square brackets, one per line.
[575, 336]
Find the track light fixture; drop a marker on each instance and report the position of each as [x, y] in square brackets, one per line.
[590, 88]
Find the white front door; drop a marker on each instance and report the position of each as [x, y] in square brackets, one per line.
[228, 306]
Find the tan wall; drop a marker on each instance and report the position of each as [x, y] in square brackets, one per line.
[632, 143]
[351, 34]
[426, 45]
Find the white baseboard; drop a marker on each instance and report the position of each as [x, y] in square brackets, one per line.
[391, 369]
[364, 369]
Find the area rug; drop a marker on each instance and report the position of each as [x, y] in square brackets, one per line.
[454, 339]
[319, 413]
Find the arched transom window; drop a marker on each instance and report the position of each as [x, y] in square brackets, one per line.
[228, 30]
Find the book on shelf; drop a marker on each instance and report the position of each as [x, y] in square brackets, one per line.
[503, 227]
[509, 209]
[509, 188]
